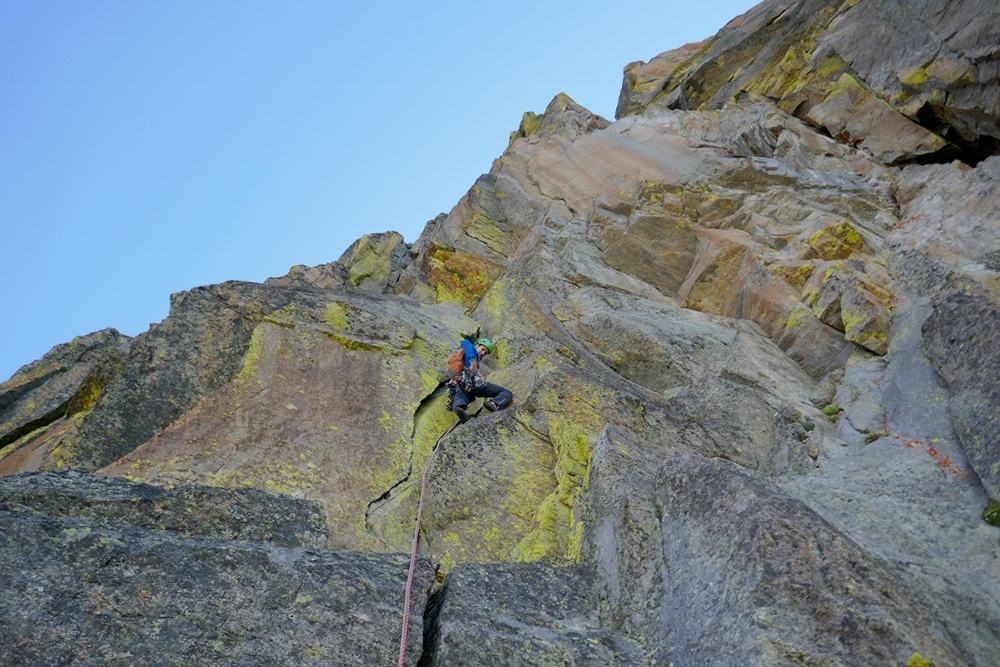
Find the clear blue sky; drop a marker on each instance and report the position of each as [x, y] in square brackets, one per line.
[151, 147]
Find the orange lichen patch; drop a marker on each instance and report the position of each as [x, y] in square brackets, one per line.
[943, 460]
[459, 276]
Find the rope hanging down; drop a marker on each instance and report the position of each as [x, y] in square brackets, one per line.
[416, 540]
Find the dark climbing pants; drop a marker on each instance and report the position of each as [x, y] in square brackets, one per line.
[487, 390]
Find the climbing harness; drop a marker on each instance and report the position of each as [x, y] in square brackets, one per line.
[416, 540]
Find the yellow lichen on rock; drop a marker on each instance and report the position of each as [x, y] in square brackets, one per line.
[842, 294]
[458, 276]
[530, 124]
[482, 228]
[336, 316]
[917, 660]
[835, 240]
[573, 420]
[866, 321]
[254, 353]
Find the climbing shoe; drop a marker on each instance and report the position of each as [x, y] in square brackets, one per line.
[463, 416]
[491, 406]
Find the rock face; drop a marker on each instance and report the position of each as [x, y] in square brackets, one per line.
[906, 82]
[773, 582]
[112, 503]
[749, 328]
[524, 614]
[53, 394]
[74, 593]
[962, 337]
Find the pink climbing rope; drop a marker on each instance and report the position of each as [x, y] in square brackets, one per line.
[416, 540]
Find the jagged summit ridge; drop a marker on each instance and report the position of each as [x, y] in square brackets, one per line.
[908, 82]
[750, 358]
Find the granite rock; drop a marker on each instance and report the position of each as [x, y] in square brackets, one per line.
[524, 614]
[192, 511]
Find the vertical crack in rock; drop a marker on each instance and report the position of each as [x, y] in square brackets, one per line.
[432, 627]
[389, 494]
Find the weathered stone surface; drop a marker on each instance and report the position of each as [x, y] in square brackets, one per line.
[852, 113]
[768, 299]
[669, 223]
[524, 614]
[655, 248]
[494, 496]
[746, 180]
[935, 62]
[510, 486]
[562, 117]
[196, 349]
[895, 477]
[643, 82]
[63, 383]
[724, 259]
[113, 502]
[78, 594]
[943, 247]
[374, 262]
[323, 276]
[844, 296]
[543, 220]
[771, 581]
[962, 340]
[666, 349]
[949, 214]
[902, 82]
[329, 404]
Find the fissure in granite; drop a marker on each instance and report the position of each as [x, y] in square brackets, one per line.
[375, 506]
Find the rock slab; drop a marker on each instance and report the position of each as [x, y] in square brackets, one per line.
[524, 614]
[711, 564]
[192, 511]
[74, 592]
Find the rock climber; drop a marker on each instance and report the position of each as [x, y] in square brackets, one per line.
[466, 385]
